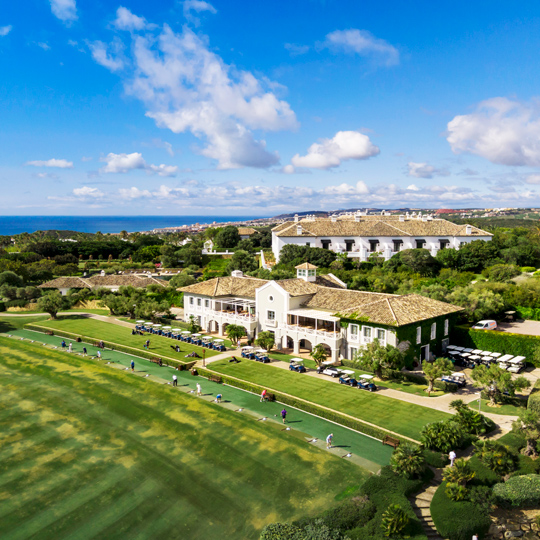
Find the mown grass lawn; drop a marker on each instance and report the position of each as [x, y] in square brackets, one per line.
[87, 451]
[393, 414]
[121, 335]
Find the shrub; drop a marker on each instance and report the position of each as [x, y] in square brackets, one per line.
[407, 460]
[495, 457]
[528, 269]
[533, 403]
[435, 459]
[281, 531]
[455, 492]
[518, 491]
[457, 520]
[443, 435]
[483, 475]
[394, 520]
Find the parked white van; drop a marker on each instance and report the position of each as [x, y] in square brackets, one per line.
[485, 325]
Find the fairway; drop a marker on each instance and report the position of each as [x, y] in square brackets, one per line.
[159, 345]
[88, 451]
[393, 414]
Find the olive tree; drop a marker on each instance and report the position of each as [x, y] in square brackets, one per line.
[436, 369]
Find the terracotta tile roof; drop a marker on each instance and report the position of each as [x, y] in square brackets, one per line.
[306, 266]
[340, 300]
[375, 226]
[297, 287]
[66, 282]
[329, 280]
[226, 286]
[246, 231]
[401, 310]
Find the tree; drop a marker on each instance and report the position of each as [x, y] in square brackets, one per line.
[442, 436]
[51, 303]
[10, 278]
[227, 237]
[265, 340]
[502, 272]
[394, 520]
[319, 354]
[235, 332]
[495, 456]
[420, 261]
[496, 380]
[471, 421]
[293, 255]
[407, 460]
[282, 531]
[376, 357]
[246, 245]
[242, 260]
[436, 369]
[194, 326]
[181, 280]
[528, 425]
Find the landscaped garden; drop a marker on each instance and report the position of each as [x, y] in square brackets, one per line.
[90, 451]
[401, 417]
[121, 335]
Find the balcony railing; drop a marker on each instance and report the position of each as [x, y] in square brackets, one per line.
[311, 331]
[232, 316]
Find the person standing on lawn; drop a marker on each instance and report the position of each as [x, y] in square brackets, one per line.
[132, 366]
[329, 440]
[98, 354]
[199, 390]
[84, 351]
[263, 395]
[452, 455]
[284, 415]
[70, 347]
[174, 380]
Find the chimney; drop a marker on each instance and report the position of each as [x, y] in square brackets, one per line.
[402, 218]
[424, 218]
[357, 217]
[237, 273]
[299, 229]
[296, 218]
[468, 230]
[333, 218]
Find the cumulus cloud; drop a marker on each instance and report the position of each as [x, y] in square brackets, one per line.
[164, 192]
[65, 10]
[500, 130]
[123, 163]
[331, 152]
[5, 30]
[362, 43]
[44, 46]
[196, 6]
[109, 56]
[424, 170]
[86, 192]
[125, 20]
[413, 187]
[346, 189]
[186, 87]
[59, 163]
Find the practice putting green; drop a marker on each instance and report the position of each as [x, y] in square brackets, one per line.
[114, 333]
[87, 451]
[393, 414]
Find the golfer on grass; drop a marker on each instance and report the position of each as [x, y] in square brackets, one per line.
[132, 365]
[199, 389]
[263, 395]
[329, 440]
[174, 380]
[98, 354]
[283, 415]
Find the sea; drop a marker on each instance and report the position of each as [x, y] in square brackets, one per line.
[10, 225]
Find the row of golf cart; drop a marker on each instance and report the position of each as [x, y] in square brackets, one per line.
[259, 355]
[470, 358]
[182, 335]
[345, 376]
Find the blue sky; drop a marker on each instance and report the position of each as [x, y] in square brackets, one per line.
[171, 107]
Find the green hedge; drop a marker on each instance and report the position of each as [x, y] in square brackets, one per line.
[493, 341]
[435, 459]
[114, 346]
[2, 306]
[457, 520]
[529, 313]
[518, 491]
[306, 406]
[533, 403]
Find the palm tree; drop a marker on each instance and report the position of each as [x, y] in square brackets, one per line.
[407, 460]
[319, 354]
[235, 332]
[460, 473]
[123, 235]
[394, 520]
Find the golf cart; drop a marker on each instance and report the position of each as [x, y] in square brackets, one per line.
[455, 378]
[247, 352]
[297, 364]
[327, 368]
[217, 345]
[347, 379]
[262, 356]
[365, 383]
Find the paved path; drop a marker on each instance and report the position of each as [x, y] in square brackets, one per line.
[421, 503]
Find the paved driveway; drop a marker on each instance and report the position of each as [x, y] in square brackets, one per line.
[528, 328]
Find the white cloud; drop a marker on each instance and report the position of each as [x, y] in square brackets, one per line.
[362, 43]
[296, 50]
[65, 10]
[533, 179]
[187, 87]
[345, 189]
[5, 30]
[413, 187]
[500, 130]
[123, 163]
[125, 20]
[424, 170]
[88, 193]
[331, 152]
[59, 163]
[112, 61]
[134, 193]
[197, 6]
[288, 169]
[44, 46]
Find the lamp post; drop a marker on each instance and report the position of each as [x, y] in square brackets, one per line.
[479, 400]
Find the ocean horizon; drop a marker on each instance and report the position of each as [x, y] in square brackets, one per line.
[10, 225]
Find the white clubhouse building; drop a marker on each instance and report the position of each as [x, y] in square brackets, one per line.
[312, 310]
[360, 235]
